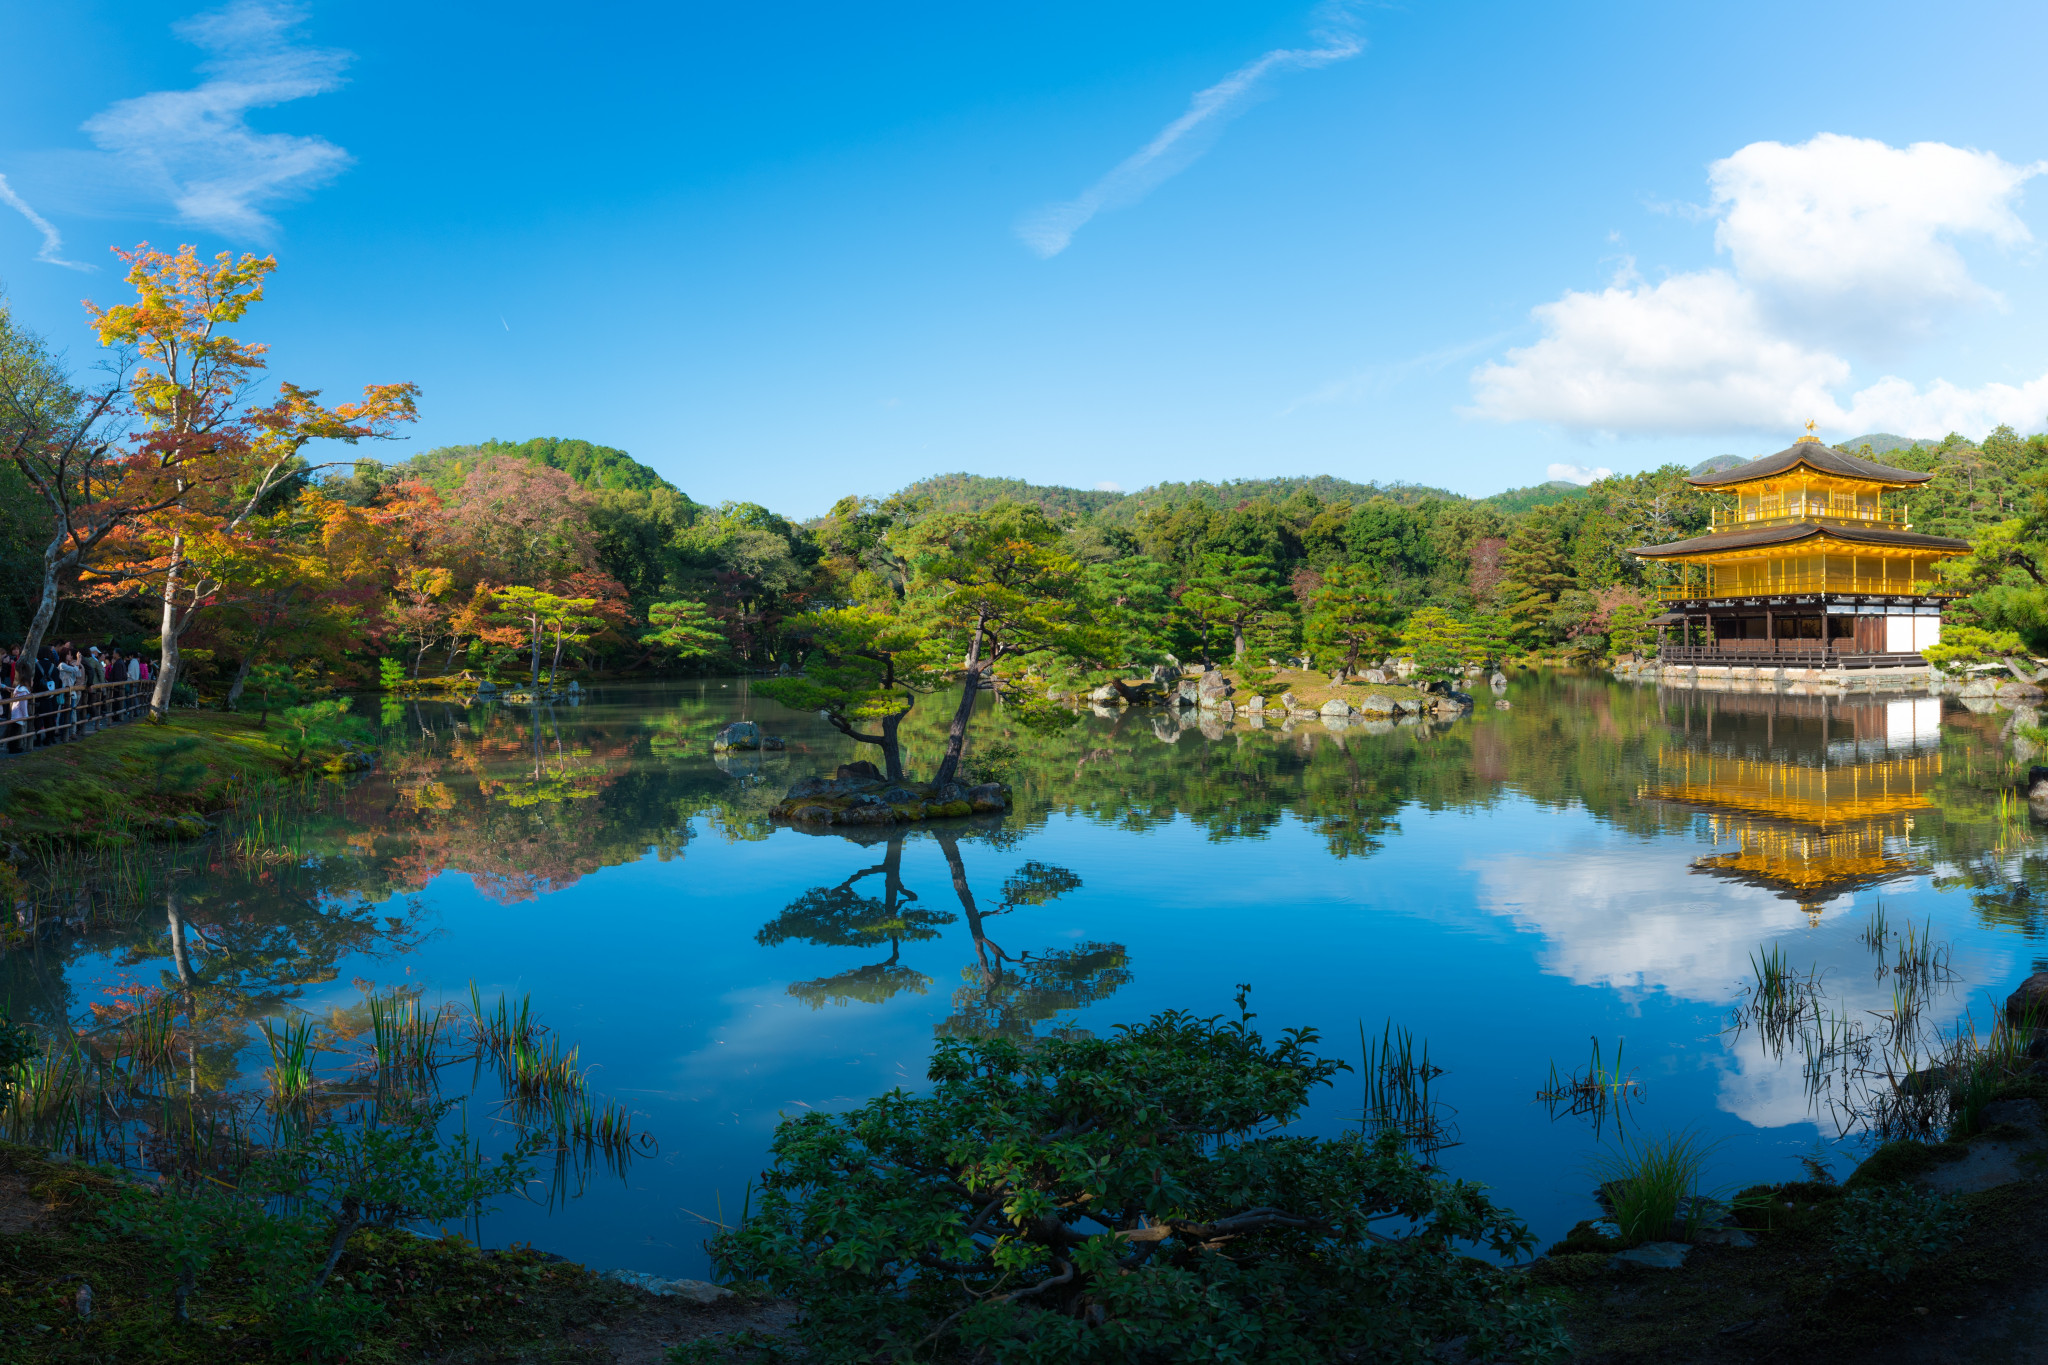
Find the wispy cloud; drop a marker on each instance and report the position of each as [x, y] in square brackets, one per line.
[1378, 379]
[53, 243]
[1575, 473]
[1048, 231]
[196, 146]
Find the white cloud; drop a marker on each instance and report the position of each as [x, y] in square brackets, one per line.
[1835, 243]
[1691, 353]
[1107, 487]
[1048, 231]
[196, 146]
[1894, 404]
[1845, 231]
[53, 244]
[1577, 473]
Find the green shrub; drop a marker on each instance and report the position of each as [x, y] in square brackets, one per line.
[1891, 1230]
[18, 1047]
[1126, 1199]
[284, 1227]
[994, 761]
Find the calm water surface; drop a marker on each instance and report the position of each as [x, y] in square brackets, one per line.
[1600, 861]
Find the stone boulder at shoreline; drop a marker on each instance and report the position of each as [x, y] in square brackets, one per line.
[2030, 1001]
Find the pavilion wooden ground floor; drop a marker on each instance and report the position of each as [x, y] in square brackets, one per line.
[1805, 631]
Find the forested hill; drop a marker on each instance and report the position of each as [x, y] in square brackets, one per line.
[1111, 507]
[593, 466]
[972, 492]
[1222, 497]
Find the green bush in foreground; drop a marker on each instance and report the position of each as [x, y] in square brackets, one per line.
[1126, 1199]
[1892, 1230]
[287, 1223]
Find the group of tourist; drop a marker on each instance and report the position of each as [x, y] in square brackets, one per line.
[61, 691]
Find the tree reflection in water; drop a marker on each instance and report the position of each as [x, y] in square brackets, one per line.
[841, 917]
[1004, 994]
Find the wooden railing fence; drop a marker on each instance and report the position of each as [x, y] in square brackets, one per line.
[34, 719]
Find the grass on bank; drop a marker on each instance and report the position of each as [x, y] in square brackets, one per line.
[446, 1300]
[1807, 1291]
[151, 779]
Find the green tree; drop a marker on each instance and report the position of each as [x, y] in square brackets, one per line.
[1537, 572]
[1489, 637]
[538, 613]
[1628, 626]
[1134, 599]
[991, 586]
[683, 629]
[1351, 615]
[1229, 592]
[1073, 1201]
[861, 665]
[1437, 641]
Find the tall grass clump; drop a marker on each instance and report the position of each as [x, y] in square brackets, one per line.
[406, 1037]
[1601, 1089]
[147, 1037]
[1651, 1187]
[1877, 930]
[291, 1057]
[1398, 1077]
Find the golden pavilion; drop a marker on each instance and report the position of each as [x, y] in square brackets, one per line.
[1810, 563]
[1809, 797]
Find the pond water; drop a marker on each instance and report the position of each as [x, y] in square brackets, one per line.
[1600, 861]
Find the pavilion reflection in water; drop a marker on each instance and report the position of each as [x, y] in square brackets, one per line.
[1811, 797]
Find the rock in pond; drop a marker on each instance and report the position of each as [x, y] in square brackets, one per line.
[1375, 704]
[1653, 1256]
[987, 797]
[2017, 692]
[1979, 687]
[2030, 999]
[1336, 706]
[851, 773]
[741, 734]
[695, 1291]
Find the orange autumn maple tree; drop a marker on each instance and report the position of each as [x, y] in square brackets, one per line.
[206, 461]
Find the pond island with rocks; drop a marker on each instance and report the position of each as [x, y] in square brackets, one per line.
[1288, 697]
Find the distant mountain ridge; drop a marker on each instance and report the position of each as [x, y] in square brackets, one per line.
[964, 492]
[1880, 443]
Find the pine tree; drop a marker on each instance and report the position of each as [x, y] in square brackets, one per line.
[1538, 571]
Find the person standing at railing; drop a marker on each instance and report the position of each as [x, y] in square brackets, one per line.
[70, 684]
[17, 717]
[43, 707]
[137, 673]
[95, 686]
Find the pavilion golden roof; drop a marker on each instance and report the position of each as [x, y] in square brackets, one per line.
[1813, 454]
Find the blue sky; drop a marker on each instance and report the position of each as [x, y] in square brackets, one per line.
[784, 253]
